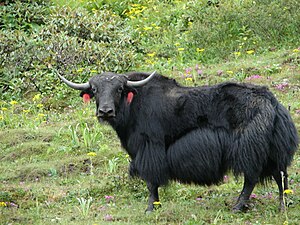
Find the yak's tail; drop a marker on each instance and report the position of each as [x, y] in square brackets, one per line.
[285, 138]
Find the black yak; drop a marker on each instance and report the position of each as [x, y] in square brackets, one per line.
[195, 134]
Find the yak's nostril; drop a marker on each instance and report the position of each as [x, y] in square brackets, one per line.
[106, 112]
[110, 112]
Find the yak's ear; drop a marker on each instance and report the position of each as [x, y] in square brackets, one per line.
[88, 91]
[128, 89]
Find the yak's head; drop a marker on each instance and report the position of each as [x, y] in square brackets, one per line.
[107, 88]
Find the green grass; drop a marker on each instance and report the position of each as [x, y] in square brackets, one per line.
[45, 168]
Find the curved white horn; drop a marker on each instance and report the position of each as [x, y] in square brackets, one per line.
[76, 86]
[140, 82]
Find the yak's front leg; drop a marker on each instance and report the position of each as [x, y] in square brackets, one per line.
[153, 196]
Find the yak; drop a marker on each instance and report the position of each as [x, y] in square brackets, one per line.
[195, 134]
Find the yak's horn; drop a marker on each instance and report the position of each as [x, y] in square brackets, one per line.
[141, 82]
[76, 86]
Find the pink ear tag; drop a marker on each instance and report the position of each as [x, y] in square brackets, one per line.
[86, 98]
[129, 97]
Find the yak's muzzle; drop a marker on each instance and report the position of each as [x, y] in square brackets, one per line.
[105, 112]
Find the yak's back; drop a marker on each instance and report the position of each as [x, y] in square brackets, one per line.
[235, 106]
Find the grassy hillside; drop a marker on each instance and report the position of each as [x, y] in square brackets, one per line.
[59, 165]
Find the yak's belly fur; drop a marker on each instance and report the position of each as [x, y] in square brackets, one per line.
[198, 157]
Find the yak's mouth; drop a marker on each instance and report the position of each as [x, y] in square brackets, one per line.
[105, 118]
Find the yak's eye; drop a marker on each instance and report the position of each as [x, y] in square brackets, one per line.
[94, 90]
[120, 89]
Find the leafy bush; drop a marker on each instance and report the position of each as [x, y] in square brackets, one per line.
[98, 25]
[72, 42]
[17, 15]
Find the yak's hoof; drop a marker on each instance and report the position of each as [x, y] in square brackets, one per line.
[240, 207]
[236, 210]
[281, 207]
[155, 205]
[148, 212]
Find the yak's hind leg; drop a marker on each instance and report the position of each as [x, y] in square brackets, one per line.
[242, 203]
[278, 178]
[153, 196]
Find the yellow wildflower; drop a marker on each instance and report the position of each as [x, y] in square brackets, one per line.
[36, 97]
[92, 154]
[26, 110]
[190, 23]
[3, 204]
[189, 79]
[250, 52]
[229, 72]
[41, 115]
[94, 71]
[180, 49]
[40, 105]
[151, 54]
[296, 50]
[200, 49]
[177, 44]
[1, 117]
[157, 204]
[237, 53]
[4, 109]
[288, 191]
[135, 11]
[13, 102]
[150, 62]
[80, 70]
[147, 28]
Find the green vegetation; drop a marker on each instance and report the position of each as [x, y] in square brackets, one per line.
[58, 165]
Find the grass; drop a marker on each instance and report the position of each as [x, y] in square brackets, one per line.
[46, 170]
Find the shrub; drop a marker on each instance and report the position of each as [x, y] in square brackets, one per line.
[72, 42]
[22, 15]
